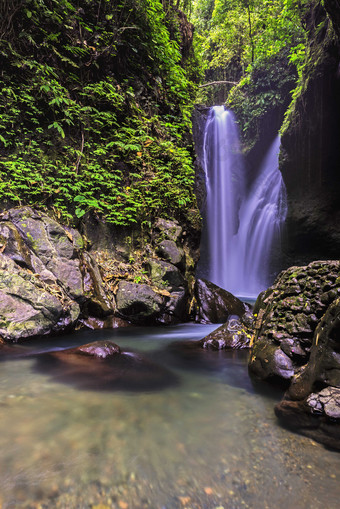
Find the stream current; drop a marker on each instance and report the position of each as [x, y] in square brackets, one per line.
[211, 441]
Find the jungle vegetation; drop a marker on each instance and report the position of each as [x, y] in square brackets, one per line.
[96, 96]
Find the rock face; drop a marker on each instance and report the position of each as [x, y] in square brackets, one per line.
[47, 281]
[287, 316]
[215, 305]
[297, 341]
[311, 405]
[310, 149]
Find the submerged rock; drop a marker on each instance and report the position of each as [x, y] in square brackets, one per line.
[215, 305]
[103, 366]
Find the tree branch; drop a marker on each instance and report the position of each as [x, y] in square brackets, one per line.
[217, 83]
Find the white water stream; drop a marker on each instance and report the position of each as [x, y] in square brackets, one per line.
[242, 222]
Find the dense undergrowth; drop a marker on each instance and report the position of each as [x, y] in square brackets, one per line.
[96, 96]
[95, 101]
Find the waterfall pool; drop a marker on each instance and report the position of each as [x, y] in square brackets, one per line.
[210, 441]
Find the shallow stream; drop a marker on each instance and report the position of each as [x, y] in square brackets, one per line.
[208, 441]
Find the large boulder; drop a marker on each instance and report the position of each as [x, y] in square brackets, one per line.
[215, 305]
[52, 245]
[138, 302]
[311, 405]
[287, 315]
[170, 252]
[47, 279]
[28, 307]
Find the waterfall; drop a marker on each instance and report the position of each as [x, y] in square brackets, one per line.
[240, 225]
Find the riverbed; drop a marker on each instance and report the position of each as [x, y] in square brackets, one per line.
[209, 440]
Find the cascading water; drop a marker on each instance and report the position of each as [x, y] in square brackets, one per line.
[240, 227]
[225, 188]
[261, 217]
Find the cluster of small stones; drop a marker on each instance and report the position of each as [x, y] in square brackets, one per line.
[290, 310]
[326, 402]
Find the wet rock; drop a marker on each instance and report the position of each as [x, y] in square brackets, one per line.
[167, 229]
[175, 308]
[98, 349]
[27, 307]
[138, 303]
[312, 418]
[287, 316]
[110, 322]
[270, 363]
[169, 251]
[307, 408]
[231, 335]
[165, 275]
[215, 305]
[103, 366]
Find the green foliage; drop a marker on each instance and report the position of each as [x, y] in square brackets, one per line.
[237, 36]
[95, 109]
[264, 89]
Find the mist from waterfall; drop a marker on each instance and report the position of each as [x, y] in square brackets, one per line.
[241, 224]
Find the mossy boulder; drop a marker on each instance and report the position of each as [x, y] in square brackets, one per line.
[311, 405]
[170, 252]
[165, 275]
[138, 303]
[28, 307]
[287, 315]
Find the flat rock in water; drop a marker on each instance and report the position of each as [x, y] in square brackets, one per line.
[233, 335]
[103, 366]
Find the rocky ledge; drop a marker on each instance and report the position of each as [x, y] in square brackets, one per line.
[52, 280]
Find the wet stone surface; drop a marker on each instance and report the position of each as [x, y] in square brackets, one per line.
[287, 315]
